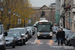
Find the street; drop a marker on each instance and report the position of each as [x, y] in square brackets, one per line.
[41, 44]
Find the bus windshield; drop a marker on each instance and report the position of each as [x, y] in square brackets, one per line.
[44, 28]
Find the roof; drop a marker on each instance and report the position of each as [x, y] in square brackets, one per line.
[17, 28]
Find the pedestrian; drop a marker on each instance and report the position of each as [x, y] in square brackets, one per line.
[58, 36]
[62, 36]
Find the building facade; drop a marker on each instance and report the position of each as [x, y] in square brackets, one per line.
[57, 13]
[49, 13]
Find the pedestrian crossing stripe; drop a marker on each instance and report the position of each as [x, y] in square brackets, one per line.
[65, 47]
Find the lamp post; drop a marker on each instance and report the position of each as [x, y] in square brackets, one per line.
[24, 22]
[19, 20]
[14, 18]
[9, 17]
[1, 8]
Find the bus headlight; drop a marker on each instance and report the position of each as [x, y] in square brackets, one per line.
[38, 34]
[51, 34]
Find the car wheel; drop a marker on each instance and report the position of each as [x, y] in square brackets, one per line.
[4, 48]
[69, 43]
[66, 42]
[13, 46]
[50, 37]
[38, 37]
[24, 42]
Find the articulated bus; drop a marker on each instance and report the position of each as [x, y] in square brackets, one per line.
[44, 29]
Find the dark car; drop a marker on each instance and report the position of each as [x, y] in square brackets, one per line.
[30, 33]
[10, 40]
[71, 40]
[18, 38]
[23, 32]
[32, 29]
[55, 29]
[68, 34]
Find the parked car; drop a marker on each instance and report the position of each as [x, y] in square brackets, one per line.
[18, 38]
[68, 34]
[71, 40]
[32, 29]
[2, 38]
[55, 29]
[23, 32]
[30, 33]
[10, 40]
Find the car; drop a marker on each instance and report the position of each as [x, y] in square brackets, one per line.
[2, 37]
[68, 34]
[32, 29]
[71, 40]
[55, 29]
[10, 40]
[30, 33]
[18, 38]
[23, 32]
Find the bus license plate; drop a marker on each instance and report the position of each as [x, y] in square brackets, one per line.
[44, 36]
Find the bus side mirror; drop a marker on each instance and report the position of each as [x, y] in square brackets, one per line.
[35, 26]
[5, 33]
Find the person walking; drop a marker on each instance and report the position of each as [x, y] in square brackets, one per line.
[58, 36]
[62, 36]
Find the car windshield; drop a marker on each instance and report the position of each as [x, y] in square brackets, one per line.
[16, 34]
[17, 30]
[0, 30]
[70, 31]
[9, 34]
[29, 28]
[55, 28]
[43, 28]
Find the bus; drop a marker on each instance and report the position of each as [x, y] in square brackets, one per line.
[44, 29]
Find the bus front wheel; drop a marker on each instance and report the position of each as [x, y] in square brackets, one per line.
[38, 37]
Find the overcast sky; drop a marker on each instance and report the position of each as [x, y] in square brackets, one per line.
[39, 3]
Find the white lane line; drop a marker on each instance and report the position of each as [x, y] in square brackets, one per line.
[41, 43]
[56, 46]
[35, 40]
[28, 42]
[68, 47]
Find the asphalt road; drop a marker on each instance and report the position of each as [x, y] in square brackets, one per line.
[41, 44]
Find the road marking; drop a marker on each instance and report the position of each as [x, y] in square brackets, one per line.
[41, 43]
[56, 46]
[35, 40]
[68, 47]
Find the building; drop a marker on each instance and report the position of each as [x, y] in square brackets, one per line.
[67, 14]
[49, 13]
[57, 13]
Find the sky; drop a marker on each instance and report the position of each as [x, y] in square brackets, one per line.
[40, 3]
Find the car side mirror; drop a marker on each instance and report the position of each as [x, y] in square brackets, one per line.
[5, 33]
[22, 36]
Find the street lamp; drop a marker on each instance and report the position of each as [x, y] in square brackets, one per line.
[19, 20]
[24, 22]
[9, 17]
[14, 18]
[1, 8]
